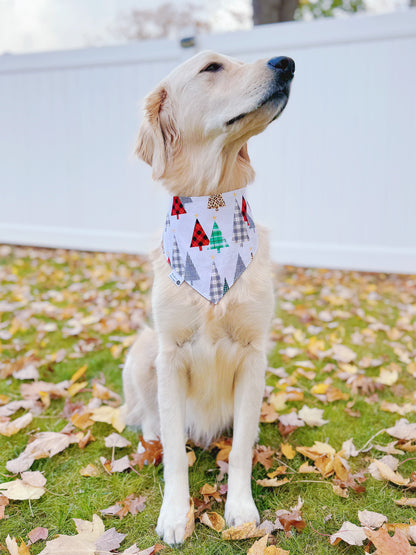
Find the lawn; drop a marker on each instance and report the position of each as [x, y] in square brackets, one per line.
[341, 342]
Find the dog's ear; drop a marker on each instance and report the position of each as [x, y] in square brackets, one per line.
[243, 153]
[158, 137]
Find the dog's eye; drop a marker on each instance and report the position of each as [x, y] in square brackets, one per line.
[213, 67]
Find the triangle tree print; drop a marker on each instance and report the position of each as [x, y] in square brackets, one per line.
[226, 287]
[217, 241]
[185, 200]
[215, 201]
[240, 234]
[176, 262]
[215, 287]
[199, 237]
[246, 217]
[191, 274]
[239, 268]
[177, 207]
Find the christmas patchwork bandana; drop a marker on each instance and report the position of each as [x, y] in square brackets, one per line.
[209, 241]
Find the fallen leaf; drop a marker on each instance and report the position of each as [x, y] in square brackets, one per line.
[312, 416]
[131, 504]
[9, 428]
[116, 440]
[190, 520]
[406, 501]
[263, 455]
[31, 488]
[152, 453]
[243, 531]
[109, 415]
[349, 533]
[272, 482]
[213, 520]
[89, 470]
[387, 473]
[259, 546]
[371, 519]
[387, 545]
[403, 430]
[37, 534]
[287, 450]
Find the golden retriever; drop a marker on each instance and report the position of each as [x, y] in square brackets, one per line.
[201, 369]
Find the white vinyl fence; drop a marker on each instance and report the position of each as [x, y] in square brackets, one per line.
[336, 174]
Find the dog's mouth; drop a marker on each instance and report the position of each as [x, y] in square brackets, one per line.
[281, 95]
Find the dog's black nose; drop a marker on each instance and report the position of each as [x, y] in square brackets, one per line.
[284, 65]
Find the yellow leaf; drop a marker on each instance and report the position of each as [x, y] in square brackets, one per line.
[82, 420]
[89, 470]
[116, 350]
[277, 400]
[110, 415]
[320, 388]
[191, 457]
[317, 449]
[388, 474]
[213, 520]
[4, 399]
[75, 388]
[288, 451]
[272, 482]
[10, 428]
[274, 550]
[80, 372]
[242, 532]
[258, 546]
[341, 492]
[190, 520]
[305, 468]
[278, 472]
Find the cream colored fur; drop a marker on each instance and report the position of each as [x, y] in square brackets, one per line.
[201, 369]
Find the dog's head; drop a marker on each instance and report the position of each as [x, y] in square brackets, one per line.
[211, 103]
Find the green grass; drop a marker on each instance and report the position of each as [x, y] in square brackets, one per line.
[55, 286]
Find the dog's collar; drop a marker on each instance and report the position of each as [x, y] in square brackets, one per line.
[209, 241]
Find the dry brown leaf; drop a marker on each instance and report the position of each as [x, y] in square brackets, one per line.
[213, 520]
[4, 501]
[268, 413]
[259, 546]
[29, 487]
[242, 532]
[317, 450]
[292, 519]
[9, 428]
[89, 470]
[263, 455]
[403, 430]
[152, 453]
[272, 482]
[190, 520]
[388, 474]
[210, 491]
[116, 440]
[37, 534]
[406, 501]
[280, 470]
[44, 444]
[387, 545]
[131, 504]
[191, 457]
[371, 519]
[305, 468]
[349, 533]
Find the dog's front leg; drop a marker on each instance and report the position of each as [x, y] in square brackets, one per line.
[171, 374]
[248, 394]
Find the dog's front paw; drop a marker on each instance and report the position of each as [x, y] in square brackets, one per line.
[240, 511]
[171, 523]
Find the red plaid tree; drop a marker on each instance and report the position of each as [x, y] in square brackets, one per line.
[177, 207]
[246, 217]
[199, 237]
